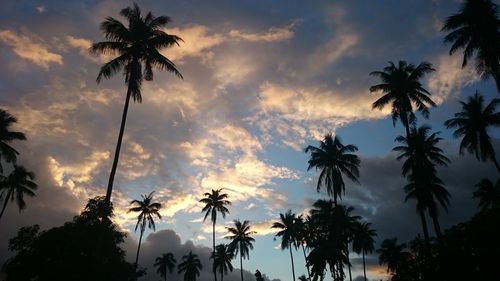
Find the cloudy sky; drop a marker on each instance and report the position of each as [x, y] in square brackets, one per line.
[262, 80]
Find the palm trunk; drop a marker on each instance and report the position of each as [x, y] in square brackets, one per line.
[291, 257]
[305, 258]
[350, 275]
[5, 204]
[494, 159]
[138, 248]
[437, 228]
[364, 264]
[222, 276]
[426, 232]
[213, 253]
[241, 266]
[117, 150]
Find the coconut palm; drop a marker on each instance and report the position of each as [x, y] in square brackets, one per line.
[215, 202]
[241, 243]
[303, 234]
[288, 233]
[7, 152]
[393, 255]
[191, 266]
[334, 159]
[403, 90]
[147, 210]
[421, 156]
[137, 46]
[165, 263]
[475, 29]
[15, 186]
[472, 125]
[363, 241]
[222, 260]
[488, 194]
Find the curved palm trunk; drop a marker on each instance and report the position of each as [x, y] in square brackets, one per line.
[241, 266]
[495, 161]
[305, 258]
[5, 204]
[437, 228]
[213, 253]
[426, 232]
[138, 249]
[118, 147]
[364, 264]
[350, 274]
[291, 257]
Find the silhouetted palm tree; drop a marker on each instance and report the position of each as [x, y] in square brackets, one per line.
[165, 263]
[137, 46]
[215, 202]
[422, 155]
[488, 194]
[242, 240]
[147, 209]
[191, 266]
[363, 241]
[334, 159]
[7, 152]
[475, 29]
[472, 125]
[403, 90]
[222, 260]
[288, 233]
[17, 184]
[393, 255]
[303, 233]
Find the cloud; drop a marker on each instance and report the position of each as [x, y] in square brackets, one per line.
[341, 45]
[274, 34]
[30, 48]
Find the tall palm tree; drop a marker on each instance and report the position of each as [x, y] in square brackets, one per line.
[147, 210]
[288, 233]
[165, 263]
[303, 234]
[402, 88]
[137, 46]
[475, 29]
[472, 125]
[393, 254]
[488, 194]
[17, 184]
[241, 243]
[363, 241]
[215, 202]
[191, 266]
[7, 152]
[334, 159]
[421, 156]
[222, 260]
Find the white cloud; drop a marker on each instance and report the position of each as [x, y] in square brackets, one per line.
[274, 34]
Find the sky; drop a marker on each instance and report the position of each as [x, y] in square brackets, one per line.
[262, 80]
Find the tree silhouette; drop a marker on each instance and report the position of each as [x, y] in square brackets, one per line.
[488, 194]
[17, 184]
[137, 47]
[7, 152]
[191, 267]
[288, 233]
[165, 263]
[402, 88]
[393, 255]
[475, 30]
[222, 260]
[241, 243]
[302, 236]
[472, 125]
[334, 159]
[147, 210]
[363, 241]
[215, 202]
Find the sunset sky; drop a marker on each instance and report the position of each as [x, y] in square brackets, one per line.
[262, 80]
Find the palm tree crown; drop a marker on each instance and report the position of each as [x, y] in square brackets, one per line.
[17, 184]
[363, 241]
[393, 254]
[472, 125]
[191, 266]
[402, 88]
[165, 263]
[488, 194]
[241, 243]
[475, 29]
[222, 260]
[7, 152]
[288, 233]
[334, 159]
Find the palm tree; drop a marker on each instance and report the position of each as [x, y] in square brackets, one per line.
[165, 263]
[334, 159]
[472, 125]
[17, 184]
[288, 233]
[191, 267]
[402, 88]
[222, 260]
[7, 152]
[147, 210]
[137, 47]
[215, 202]
[422, 155]
[242, 240]
[475, 29]
[303, 234]
[488, 194]
[363, 241]
[393, 254]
